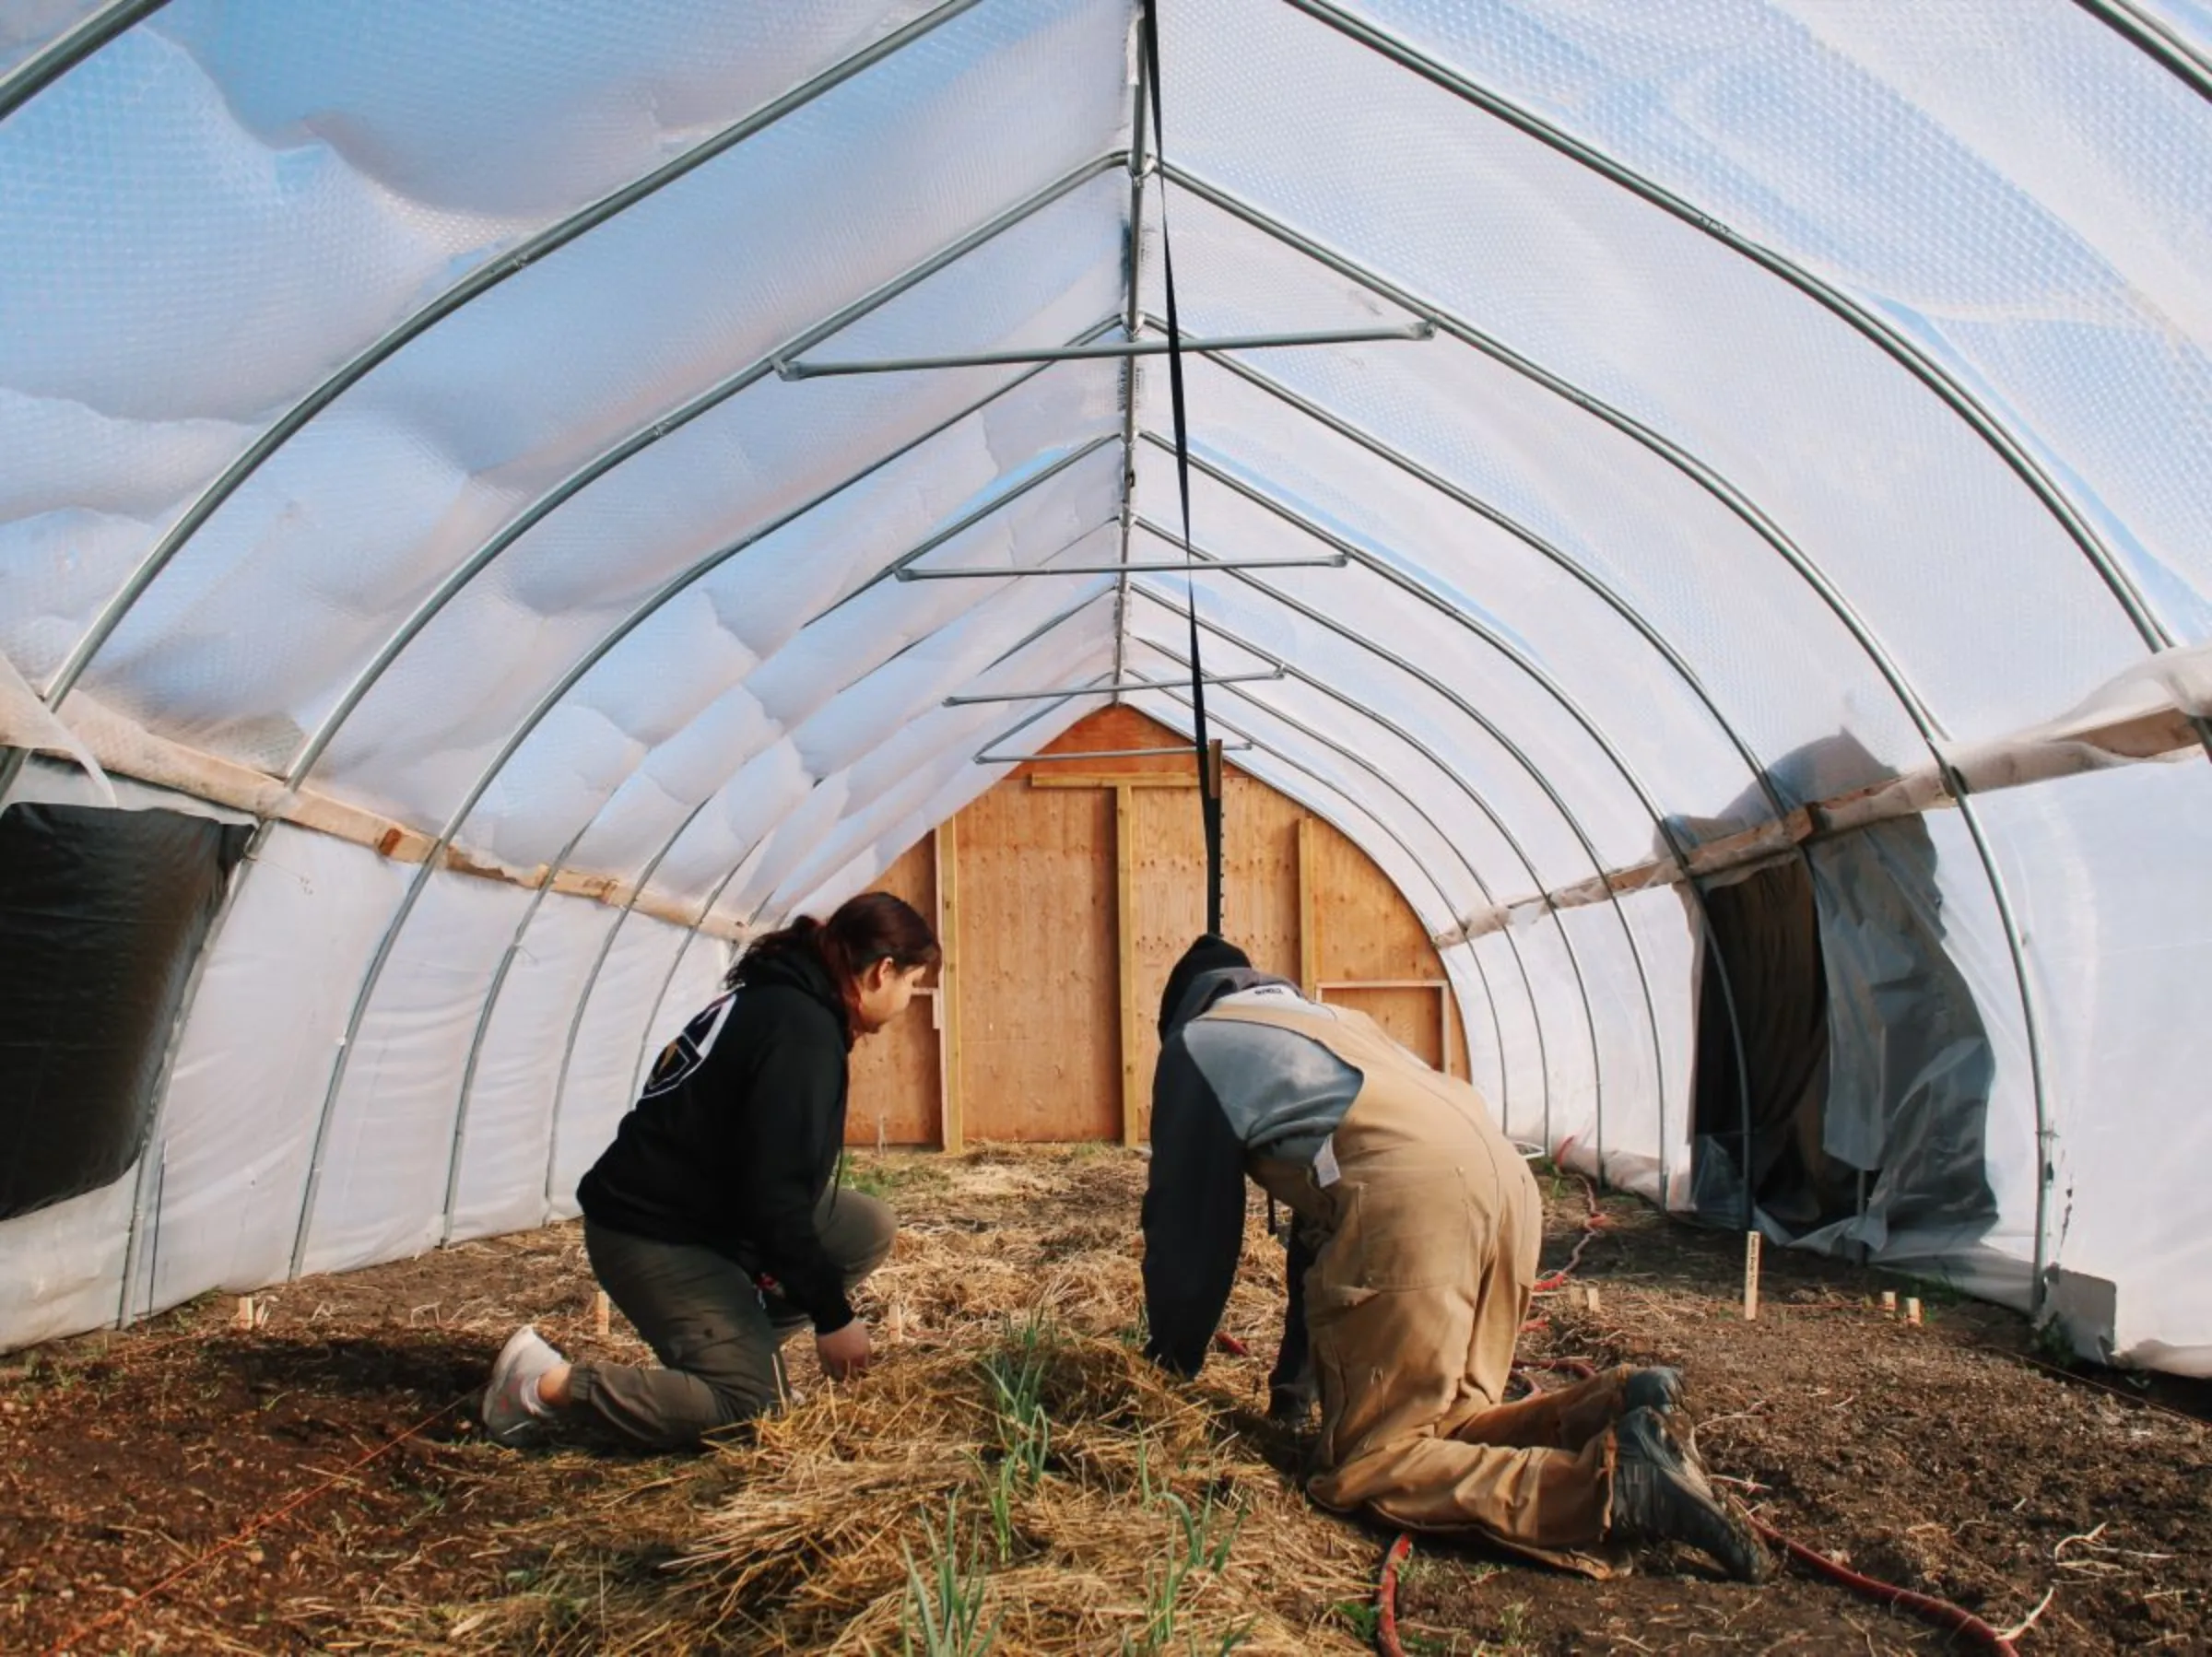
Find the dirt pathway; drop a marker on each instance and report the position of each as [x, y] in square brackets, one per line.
[1935, 1458]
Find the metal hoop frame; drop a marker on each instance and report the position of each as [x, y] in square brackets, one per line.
[2173, 54]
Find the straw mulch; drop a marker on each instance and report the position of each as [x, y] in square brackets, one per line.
[1140, 1514]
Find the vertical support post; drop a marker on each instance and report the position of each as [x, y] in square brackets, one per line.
[1125, 892]
[1443, 1024]
[946, 841]
[1309, 938]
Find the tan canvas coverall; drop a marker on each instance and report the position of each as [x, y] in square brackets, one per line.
[1413, 1307]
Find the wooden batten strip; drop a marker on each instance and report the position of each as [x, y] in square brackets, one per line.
[1308, 926]
[1112, 780]
[952, 1134]
[1125, 894]
[581, 883]
[1904, 796]
[2039, 755]
[126, 748]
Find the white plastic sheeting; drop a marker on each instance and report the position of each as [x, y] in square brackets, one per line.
[389, 404]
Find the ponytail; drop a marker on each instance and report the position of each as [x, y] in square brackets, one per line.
[872, 927]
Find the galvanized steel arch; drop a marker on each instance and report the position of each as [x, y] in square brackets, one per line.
[551, 698]
[561, 863]
[643, 437]
[2170, 48]
[1740, 505]
[70, 48]
[1976, 414]
[469, 288]
[1495, 516]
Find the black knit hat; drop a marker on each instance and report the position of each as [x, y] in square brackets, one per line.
[1211, 953]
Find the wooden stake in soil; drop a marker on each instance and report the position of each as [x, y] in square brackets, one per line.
[1750, 1277]
[1912, 1310]
[1888, 1304]
[244, 1318]
[602, 1315]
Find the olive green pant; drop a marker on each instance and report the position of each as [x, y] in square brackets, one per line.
[715, 1331]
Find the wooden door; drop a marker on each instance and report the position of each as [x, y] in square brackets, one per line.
[1166, 866]
[1367, 949]
[1066, 893]
[1039, 987]
[898, 1093]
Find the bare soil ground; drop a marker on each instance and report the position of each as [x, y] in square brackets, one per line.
[151, 1481]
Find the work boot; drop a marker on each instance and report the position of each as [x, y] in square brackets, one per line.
[1660, 1495]
[1655, 1389]
[511, 1410]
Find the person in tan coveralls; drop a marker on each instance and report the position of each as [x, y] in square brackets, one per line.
[1413, 1256]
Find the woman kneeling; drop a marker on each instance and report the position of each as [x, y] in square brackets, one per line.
[713, 1220]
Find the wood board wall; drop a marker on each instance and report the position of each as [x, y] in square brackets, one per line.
[1063, 896]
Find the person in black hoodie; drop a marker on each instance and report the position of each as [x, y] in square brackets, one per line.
[713, 1220]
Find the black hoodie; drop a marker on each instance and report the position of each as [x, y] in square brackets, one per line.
[736, 1135]
[1194, 1209]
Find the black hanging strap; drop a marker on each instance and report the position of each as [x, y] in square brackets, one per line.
[1210, 769]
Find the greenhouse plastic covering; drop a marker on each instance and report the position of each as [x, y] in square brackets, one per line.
[1809, 461]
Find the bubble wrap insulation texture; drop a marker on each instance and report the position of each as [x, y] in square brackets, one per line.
[390, 409]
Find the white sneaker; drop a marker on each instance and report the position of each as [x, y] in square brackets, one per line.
[508, 1396]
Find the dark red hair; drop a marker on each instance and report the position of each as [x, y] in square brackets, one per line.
[872, 927]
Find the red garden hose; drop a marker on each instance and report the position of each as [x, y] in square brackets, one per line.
[1941, 1612]
[1592, 1223]
[1386, 1598]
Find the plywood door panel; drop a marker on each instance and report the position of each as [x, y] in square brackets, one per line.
[1065, 872]
[1366, 929]
[1040, 986]
[1259, 875]
[897, 1095]
[1410, 1017]
[1259, 889]
[1168, 909]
